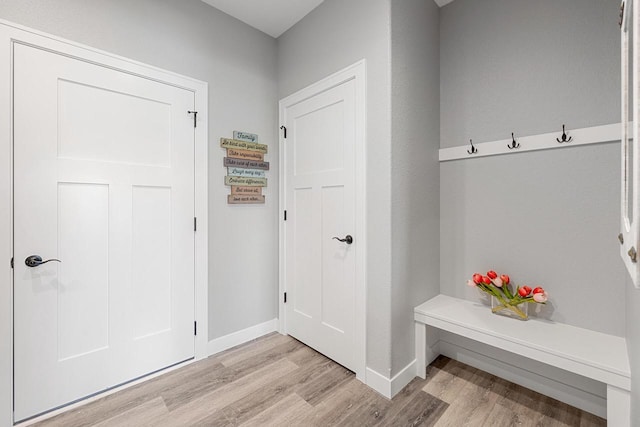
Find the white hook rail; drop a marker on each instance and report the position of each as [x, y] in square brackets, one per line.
[546, 141]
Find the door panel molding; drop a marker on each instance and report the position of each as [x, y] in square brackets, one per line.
[357, 73]
[12, 34]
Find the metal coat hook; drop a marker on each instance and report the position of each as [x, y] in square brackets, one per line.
[564, 137]
[474, 150]
[195, 117]
[513, 144]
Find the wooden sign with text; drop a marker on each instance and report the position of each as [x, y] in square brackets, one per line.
[239, 199]
[243, 145]
[253, 173]
[239, 190]
[245, 181]
[246, 168]
[248, 164]
[245, 155]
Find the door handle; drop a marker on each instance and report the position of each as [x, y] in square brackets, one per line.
[36, 260]
[348, 239]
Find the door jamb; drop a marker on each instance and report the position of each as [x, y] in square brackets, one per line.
[11, 33]
[356, 72]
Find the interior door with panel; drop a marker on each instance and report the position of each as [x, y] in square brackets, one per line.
[320, 240]
[104, 183]
[630, 154]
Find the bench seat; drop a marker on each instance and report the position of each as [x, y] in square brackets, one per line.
[592, 354]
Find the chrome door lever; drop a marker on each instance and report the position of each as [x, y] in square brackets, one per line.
[36, 260]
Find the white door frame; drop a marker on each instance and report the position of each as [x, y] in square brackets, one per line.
[9, 35]
[356, 72]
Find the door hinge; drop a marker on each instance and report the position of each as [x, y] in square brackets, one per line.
[195, 328]
[11, 262]
[195, 224]
[284, 128]
[285, 297]
[195, 118]
[285, 215]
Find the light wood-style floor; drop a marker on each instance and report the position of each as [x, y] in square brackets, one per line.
[278, 381]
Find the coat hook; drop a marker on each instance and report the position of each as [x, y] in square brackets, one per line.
[564, 137]
[473, 150]
[514, 144]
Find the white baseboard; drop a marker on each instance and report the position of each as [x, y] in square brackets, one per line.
[581, 392]
[390, 387]
[402, 378]
[228, 341]
[378, 382]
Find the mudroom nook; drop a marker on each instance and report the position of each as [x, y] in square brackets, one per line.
[319, 212]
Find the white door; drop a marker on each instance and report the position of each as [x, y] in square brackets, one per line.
[320, 204]
[104, 182]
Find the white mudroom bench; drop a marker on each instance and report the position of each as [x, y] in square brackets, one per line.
[591, 354]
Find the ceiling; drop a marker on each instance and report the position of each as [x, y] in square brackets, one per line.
[273, 17]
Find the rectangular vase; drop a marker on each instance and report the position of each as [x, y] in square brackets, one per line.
[520, 311]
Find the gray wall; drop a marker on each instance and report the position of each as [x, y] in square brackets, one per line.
[239, 63]
[527, 67]
[633, 343]
[547, 218]
[415, 181]
[335, 35]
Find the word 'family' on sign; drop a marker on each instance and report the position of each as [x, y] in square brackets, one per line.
[245, 155]
[245, 181]
[243, 145]
[249, 164]
[245, 136]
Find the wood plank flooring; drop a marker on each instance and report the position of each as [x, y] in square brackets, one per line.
[278, 381]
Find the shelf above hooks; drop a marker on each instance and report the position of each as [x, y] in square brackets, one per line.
[546, 141]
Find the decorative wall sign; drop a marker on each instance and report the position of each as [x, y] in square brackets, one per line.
[246, 168]
[253, 173]
[243, 145]
[245, 181]
[249, 164]
[245, 136]
[245, 155]
[239, 190]
[235, 199]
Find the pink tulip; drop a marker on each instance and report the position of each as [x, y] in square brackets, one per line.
[540, 297]
[471, 283]
[498, 282]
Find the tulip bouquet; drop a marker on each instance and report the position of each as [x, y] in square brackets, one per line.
[499, 288]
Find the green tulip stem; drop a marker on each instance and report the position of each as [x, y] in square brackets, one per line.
[507, 291]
